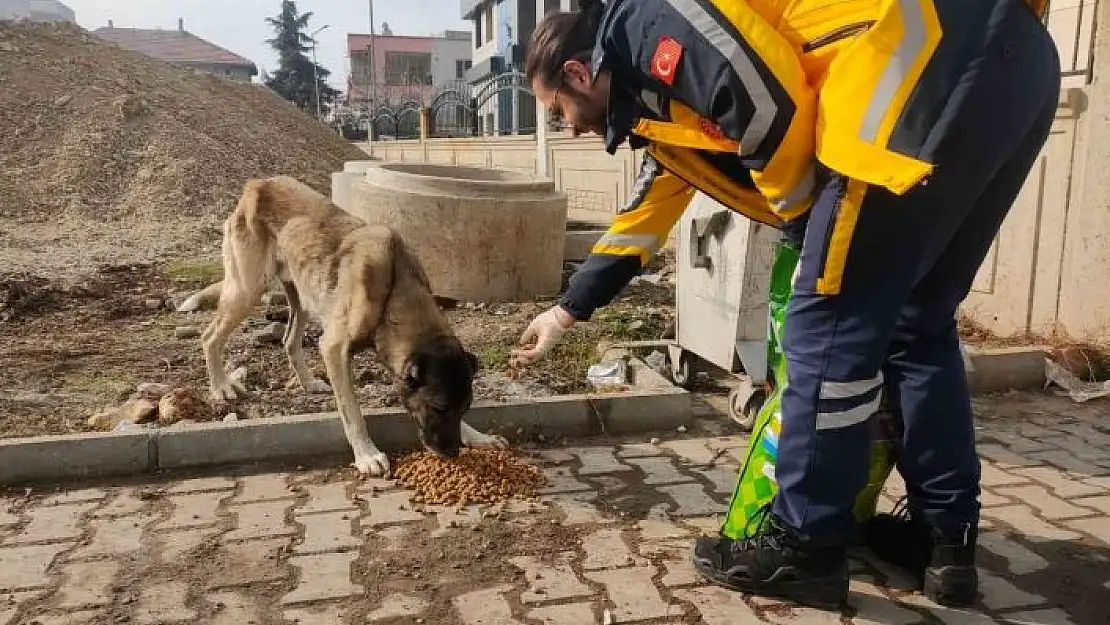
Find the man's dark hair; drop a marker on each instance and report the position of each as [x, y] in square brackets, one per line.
[561, 37]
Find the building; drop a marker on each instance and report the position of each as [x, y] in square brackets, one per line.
[36, 11]
[502, 29]
[183, 48]
[406, 68]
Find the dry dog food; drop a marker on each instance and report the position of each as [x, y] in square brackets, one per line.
[476, 476]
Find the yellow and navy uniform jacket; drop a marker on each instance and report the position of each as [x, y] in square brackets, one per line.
[745, 101]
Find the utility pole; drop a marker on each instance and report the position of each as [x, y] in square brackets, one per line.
[373, 78]
[315, 71]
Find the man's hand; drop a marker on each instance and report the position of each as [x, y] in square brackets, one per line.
[546, 330]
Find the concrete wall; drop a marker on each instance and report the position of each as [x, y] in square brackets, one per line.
[446, 51]
[239, 74]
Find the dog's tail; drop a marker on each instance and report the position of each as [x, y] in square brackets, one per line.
[205, 299]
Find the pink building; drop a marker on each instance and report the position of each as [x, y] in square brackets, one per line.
[405, 68]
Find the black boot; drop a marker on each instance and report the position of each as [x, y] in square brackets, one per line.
[776, 563]
[942, 563]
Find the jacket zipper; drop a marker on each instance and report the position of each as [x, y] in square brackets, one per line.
[833, 36]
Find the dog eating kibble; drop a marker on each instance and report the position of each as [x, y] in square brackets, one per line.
[477, 475]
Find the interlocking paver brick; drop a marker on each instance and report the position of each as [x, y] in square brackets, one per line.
[202, 484]
[1068, 462]
[990, 499]
[658, 525]
[7, 517]
[7, 615]
[111, 537]
[24, 567]
[331, 497]
[598, 460]
[173, 545]
[263, 487]
[123, 503]
[1062, 485]
[723, 478]
[718, 606]
[1081, 448]
[193, 510]
[1049, 506]
[260, 520]
[1054, 616]
[1017, 443]
[315, 615]
[692, 500]
[398, 606]
[638, 450]
[679, 565]
[659, 471]
[560, 480]
[329, 531]
[550, 582]
[633, 594]
[82, 495]
[555, 456]
[1099, 527]
[164, 603]
[485, 607]
[52, 523]
[1102, 504]
[388, 508]
[691, 451]
[1019, 559]
[606, 549]
[564, 614]
[87, 584]
[235, 608]
[578, 508]
[1086, 432]
[705, 525]
[993, 475]
[1021, 518]
[1000, 594]
[875, 608]
[323, 576]
[1004, 458]
[948, 616]
[253, 562]
[82, 617]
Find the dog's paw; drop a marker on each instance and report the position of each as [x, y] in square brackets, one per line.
[228, 391]
[480, 439]
[317, 386]
[373, 464]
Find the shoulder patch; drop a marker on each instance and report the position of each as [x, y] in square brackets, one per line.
[664, 64]
[710, 129]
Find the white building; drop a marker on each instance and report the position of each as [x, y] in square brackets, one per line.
[36, 11]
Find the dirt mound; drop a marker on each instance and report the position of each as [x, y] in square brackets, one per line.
[109, 157]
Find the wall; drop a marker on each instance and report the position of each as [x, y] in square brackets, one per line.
[445, 53]
[240, 74]
[356, 46]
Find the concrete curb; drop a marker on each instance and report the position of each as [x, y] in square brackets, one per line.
[1004, 369]
[652, 405]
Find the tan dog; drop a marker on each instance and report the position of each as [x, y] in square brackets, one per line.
[369, 291]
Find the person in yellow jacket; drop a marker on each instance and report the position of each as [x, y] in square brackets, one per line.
[887, 139]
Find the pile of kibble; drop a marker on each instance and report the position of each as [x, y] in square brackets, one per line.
[475, 476]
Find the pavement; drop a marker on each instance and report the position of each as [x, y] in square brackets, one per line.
[608, 541]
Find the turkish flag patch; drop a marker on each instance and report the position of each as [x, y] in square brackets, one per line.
[664, 64]
[710, 129]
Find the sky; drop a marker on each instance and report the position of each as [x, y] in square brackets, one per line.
[239, 25]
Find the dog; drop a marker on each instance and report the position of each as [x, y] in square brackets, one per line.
[367, 288]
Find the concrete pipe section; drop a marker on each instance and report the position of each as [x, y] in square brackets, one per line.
[483, 235]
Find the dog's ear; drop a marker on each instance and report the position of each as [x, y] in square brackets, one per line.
[475, 364]
[413, 376]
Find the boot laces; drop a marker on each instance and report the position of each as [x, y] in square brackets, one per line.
[762, 531]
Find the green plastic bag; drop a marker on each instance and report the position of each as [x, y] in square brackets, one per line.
[756, 485]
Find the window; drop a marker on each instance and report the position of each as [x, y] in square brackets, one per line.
[408, 68]
[489, 22]
[478, 31]
[573, 6]
[550, 6]
[461, 66]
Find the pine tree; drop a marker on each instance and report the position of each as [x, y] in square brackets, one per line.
[294, 79]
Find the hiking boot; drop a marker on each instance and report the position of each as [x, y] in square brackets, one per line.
[942, 563]
[776, 563]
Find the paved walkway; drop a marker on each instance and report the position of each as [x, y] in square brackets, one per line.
[609, 540]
